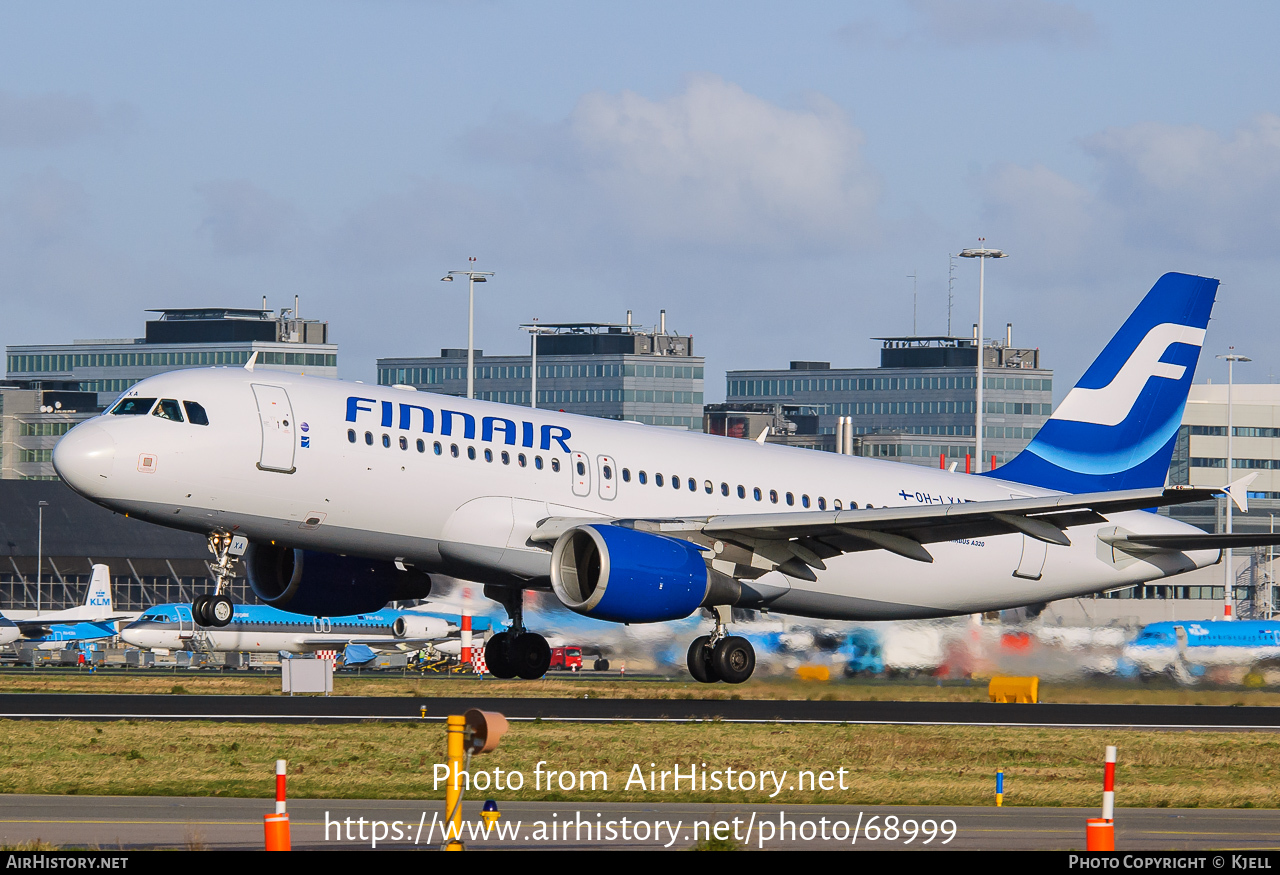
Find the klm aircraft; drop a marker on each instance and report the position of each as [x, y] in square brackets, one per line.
[341, 497]
[262, 629]
[1175, 645]
[93, 620]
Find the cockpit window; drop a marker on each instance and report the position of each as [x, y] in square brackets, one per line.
[195, 413]
[169, 409]
[133, 407]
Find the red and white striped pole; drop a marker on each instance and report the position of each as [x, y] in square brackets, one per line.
[466, 627]
[276, 825]
[1109, 786]
[280, 779]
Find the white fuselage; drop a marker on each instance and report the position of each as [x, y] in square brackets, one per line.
[294, 476]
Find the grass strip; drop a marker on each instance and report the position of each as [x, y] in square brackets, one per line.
[884, 765]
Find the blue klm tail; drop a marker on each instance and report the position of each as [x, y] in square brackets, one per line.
[1117, 427]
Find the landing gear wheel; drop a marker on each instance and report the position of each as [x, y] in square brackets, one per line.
[699, 661]
[199, 610]
[531, 656]
[734, 659]
[497, 656]
[219, 610]
[601, 664]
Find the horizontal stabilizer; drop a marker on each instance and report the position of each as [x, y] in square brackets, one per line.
[1183, 543]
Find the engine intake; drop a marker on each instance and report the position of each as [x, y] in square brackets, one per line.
[324, 584]
[619, 574]
[408, 626]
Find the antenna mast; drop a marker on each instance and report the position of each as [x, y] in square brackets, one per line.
[912, 276]
[951, 281]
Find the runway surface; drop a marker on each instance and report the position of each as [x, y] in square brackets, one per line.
[336, 709]
[205, 823]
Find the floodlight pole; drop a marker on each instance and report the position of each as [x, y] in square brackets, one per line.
[534, 330]
[473, 277]
[1229, 584]
[39, 548]
[982, 254]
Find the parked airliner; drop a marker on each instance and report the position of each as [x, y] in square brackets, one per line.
[93, 620]
[262, 629]
[1180, 646]
[345, 496]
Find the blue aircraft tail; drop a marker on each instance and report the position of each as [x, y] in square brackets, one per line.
[1117, 427]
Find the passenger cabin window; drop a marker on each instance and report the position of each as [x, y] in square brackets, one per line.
[644, 478]
[742, 491]
[404, 442]
[555, 465]
[368, 438]
[724, 489]
[351, 435]
[169, 409]
[657, 479]
[195, 413]
[521, 460]
[436, 448]
[626, 475]
[791, 500]
[708, 487]
[537, 462]
[822, 503]
[133, 407]
[804, 500]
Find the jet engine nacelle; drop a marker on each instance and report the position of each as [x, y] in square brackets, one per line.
[409, 626]
[327, 585]
[619, 574]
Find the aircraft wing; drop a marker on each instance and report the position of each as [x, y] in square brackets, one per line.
[332, 641]
[794, 543]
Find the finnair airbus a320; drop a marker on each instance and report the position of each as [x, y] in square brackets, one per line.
[345, 496]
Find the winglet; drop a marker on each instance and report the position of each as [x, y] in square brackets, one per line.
[764, 434]
[253, 360]
[1238, 491]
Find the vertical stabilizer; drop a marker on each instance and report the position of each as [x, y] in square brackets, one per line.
[1117, 427]
[97, 603]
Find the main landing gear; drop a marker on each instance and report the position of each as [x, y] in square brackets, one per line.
[516, 652]
[720, 656]
[217, 609]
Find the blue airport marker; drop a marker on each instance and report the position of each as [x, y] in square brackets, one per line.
[1000, 788]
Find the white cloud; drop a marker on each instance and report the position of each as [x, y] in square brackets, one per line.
[1156, 187]
[717, 165]
[1188, 187]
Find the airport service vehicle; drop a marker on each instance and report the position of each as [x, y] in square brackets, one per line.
[1177, 646]
[566, 658]
[343, 497]
[93, 620]
[263, 629]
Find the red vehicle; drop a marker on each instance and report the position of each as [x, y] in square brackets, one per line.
[566, 658]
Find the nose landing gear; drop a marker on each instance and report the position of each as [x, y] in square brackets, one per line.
[217, 609]
[720, 656]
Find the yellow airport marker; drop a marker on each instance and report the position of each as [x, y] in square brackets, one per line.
[1000, 789]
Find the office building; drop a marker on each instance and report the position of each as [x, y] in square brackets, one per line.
[919, 405]
[181, 338]
[33, 415]
[609, 370]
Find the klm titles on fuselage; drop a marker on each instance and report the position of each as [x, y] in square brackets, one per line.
[401, 415]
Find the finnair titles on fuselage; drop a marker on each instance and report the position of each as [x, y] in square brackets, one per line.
[351, 495]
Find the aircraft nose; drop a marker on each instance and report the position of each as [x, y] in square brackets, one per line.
[84, 456]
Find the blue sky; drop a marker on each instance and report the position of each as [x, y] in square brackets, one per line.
[767, 173]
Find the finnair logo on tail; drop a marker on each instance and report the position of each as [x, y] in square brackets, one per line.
[1111, 404]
